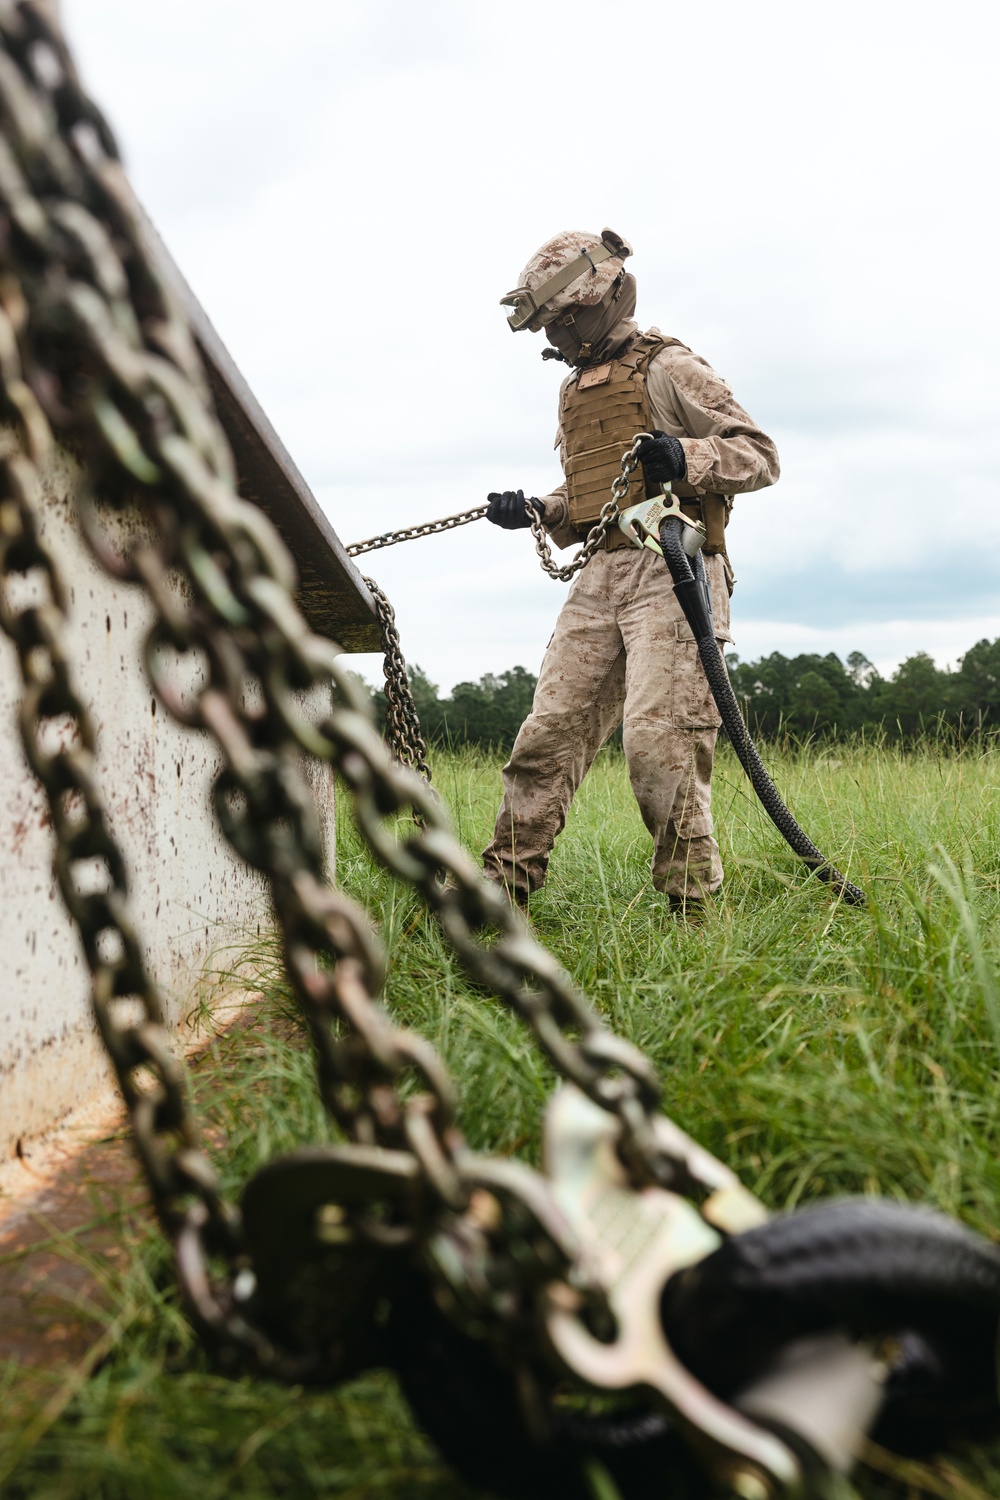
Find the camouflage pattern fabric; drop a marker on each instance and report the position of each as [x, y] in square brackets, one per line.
[622, 650]
[726, 452]
[587, 289]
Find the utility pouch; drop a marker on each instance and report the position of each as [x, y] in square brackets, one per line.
[715, 511]
[715, 518]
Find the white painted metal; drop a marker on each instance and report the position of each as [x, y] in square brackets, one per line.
[195, 904]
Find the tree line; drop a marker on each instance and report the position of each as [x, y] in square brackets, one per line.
[487, 713]
[821, 695]
[802, 696]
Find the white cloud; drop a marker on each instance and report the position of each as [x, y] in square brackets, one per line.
[350, 188]
[885, 642]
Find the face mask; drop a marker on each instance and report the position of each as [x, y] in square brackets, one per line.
[582, 335]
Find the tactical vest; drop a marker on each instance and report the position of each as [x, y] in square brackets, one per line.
[599, 414]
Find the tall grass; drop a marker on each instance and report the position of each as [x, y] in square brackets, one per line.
[816, 1048]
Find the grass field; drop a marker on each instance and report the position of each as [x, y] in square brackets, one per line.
[817, 1049]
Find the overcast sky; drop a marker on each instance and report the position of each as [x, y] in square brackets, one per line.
[811, 193]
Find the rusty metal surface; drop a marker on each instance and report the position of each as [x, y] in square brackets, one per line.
[216, 577]
[197, 901]
[331, 592]
[403, 733]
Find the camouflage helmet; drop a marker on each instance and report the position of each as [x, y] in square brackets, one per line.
[574, 269]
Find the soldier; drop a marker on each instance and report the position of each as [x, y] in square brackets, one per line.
[622, 651]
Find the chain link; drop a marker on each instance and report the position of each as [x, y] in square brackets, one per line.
[402, 722]
[597, 535]
[408, 533]
[593, 541]
[109, 355]
[404, 733]
[403, 729]
[59, 743]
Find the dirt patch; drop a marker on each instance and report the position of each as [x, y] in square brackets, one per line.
[52, 1306]
[64, 1228]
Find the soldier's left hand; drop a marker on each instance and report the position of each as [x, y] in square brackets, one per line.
[662, 458]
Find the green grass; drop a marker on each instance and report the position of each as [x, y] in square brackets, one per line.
[817, 1049]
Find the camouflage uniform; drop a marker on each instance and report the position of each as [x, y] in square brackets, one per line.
[622, 653]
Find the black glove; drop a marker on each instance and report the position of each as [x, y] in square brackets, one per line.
[662, 458]
[510, 510]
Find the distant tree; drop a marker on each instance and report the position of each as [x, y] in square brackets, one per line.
[817, 703]
[976, 685]
[762, 688]
[425, 697]
[914, 699]
[488, 712]
[826, 696]
[802, 696]
[861, 671]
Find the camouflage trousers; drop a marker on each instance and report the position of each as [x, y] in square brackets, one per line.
[622, 653]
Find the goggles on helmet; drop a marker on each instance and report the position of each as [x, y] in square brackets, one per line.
[527, 307]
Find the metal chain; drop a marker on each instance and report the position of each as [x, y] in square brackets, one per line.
[403, 729]
[402, 722]
[109, 354]
[596, 536]
[593, 541]
[103, 343]
[408, 533]
[182, 1181]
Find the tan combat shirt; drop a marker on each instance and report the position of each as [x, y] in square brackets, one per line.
[726, 452]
